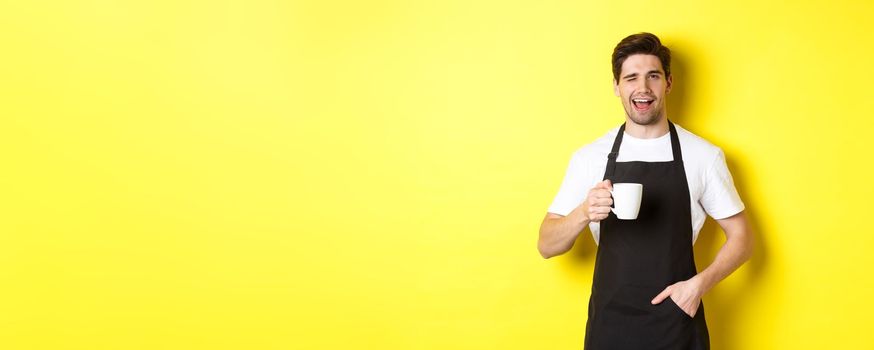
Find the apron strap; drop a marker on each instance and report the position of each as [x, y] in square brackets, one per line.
[675, 143]
[611, 157]
[614, 153]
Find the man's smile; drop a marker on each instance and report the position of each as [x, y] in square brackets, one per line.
[642, 103]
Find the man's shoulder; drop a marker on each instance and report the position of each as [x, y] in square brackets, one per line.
[696, 148]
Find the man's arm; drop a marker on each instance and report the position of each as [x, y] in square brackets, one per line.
[736, 250]
[558, 233]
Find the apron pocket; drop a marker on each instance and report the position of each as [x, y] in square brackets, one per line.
[628, 320]
[675, 307]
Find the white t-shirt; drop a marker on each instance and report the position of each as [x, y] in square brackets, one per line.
[710, 184]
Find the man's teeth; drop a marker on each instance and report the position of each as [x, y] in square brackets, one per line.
[641, 100]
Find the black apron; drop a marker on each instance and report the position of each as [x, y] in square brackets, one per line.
[637, 259]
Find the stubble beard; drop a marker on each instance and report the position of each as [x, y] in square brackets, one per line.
[646, 119]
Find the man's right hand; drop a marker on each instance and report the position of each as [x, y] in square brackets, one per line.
[597, 204]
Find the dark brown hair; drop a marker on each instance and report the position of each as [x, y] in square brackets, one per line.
[640, 43]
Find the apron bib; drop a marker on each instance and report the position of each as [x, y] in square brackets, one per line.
[637, 259]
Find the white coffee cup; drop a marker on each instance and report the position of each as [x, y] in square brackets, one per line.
[626, 200]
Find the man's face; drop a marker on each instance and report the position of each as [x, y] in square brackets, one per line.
[642, 86]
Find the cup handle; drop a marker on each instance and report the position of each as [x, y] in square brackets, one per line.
[612, 206]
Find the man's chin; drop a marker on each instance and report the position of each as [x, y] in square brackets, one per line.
[645, 119]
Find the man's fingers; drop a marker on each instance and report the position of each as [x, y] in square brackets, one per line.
[595, 217]
[601, 201]
[600, 193]
[599, 210]
[664, 294]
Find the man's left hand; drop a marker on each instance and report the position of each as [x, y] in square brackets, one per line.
[686, 294]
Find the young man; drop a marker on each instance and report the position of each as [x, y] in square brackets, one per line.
[646, 290]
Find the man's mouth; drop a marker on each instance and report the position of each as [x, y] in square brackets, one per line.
[642, 103]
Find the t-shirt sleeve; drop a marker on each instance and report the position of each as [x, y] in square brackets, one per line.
[572, 190]
[720, 199]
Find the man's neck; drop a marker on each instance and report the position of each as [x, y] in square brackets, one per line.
[657, 129]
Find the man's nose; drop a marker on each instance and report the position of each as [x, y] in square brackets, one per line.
[643, 86]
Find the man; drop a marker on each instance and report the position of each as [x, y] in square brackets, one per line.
[646, 291]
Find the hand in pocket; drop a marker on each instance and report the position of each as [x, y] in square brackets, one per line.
[686, 294]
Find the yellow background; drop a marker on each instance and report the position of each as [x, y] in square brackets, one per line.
[328, 174]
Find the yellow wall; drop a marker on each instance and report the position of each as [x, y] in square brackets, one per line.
[327, 175]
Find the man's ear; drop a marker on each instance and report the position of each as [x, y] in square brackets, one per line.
[670, 83]
[615, 88]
